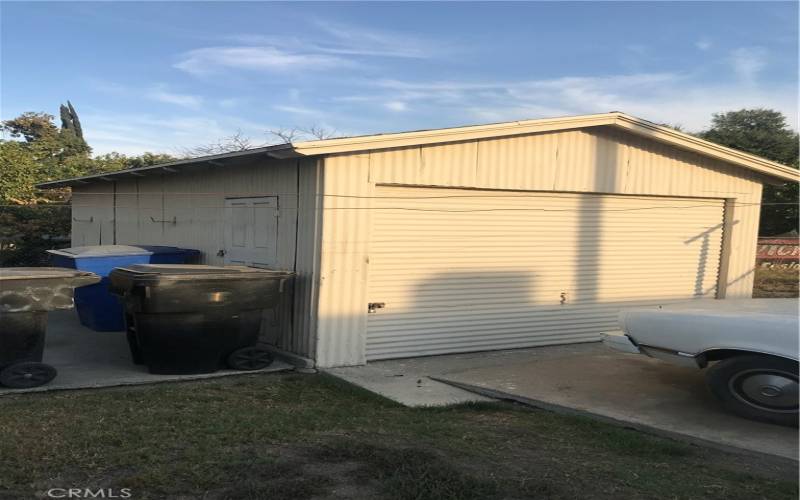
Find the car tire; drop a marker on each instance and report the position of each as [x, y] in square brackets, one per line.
[757, 387]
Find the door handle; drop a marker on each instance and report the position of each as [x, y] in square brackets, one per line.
[373, 307]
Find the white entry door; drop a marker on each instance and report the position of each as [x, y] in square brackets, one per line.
[251, 231]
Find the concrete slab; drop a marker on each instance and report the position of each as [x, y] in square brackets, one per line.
[628, 389]
[414, 381]
[88, 359]
[407, 381]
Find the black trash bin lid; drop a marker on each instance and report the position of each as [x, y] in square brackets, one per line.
[116, 250]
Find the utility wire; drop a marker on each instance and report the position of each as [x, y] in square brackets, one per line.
[515, 194]
[466, 210]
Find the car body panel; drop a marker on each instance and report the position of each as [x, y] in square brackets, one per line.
[618, 341]
[691, 329]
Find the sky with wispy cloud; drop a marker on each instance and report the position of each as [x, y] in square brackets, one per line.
[167, 76]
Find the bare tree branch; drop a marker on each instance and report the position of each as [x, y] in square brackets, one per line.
[239, 142]
[285, 136]
[319, 132]
[236, 142]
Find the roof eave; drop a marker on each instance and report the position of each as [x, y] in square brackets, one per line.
[688, 142]
[769, 171]
[281, 151]
[438, 136]
[772, 171]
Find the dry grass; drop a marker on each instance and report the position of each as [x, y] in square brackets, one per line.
[312, 436]
[776, 282]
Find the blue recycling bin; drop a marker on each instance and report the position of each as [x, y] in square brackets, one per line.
[97, 308]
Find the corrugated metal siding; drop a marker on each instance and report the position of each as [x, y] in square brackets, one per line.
[490, 269]
[93, 215]
[150, 214]
[126, 219]
[341, 309]
[187, 209]
[303, 341]
[597, 160]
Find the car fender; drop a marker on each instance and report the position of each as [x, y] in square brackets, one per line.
[703, 332]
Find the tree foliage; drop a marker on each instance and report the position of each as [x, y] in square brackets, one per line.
[27, 231]
[41, 152]
[32, 221]
[764, 132]
[19, 169]
[32, 127]
[110, 162]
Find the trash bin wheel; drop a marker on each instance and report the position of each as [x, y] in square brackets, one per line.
[26, 375]
[250, 358]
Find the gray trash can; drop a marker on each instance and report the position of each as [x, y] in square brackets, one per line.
[97, 309]
[26, 296]
[184, 319]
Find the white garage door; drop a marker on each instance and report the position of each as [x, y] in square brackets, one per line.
[466, 270]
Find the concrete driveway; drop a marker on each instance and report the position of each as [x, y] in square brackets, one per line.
[588, 379]
[88, 359]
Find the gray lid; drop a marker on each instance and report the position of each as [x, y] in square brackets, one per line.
[195, 269]
[112, 250]
[181, 269]
[22, 273]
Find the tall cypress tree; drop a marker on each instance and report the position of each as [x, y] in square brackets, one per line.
[76, 123]
[71, 132]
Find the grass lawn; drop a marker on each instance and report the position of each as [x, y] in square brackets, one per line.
[298, 436]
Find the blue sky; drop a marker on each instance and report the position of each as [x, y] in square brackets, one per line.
[166, 76]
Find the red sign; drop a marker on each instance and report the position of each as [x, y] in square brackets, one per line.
[778, 249]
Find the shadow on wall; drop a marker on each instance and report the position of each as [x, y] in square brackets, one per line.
[702, 261]
[432, 315]
[441, 310]
[590, 221]
[592, 231]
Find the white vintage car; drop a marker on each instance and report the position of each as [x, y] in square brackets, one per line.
[749, 345]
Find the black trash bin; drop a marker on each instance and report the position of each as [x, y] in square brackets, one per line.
[26, 295]
[186, 319]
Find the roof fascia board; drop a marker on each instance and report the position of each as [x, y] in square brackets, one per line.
[353, 144]
[277, 152]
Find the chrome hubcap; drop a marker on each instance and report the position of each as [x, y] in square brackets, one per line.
[768, 390]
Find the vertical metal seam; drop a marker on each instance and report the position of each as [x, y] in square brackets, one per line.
[114, 214]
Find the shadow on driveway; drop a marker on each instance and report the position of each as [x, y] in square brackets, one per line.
[88, 359]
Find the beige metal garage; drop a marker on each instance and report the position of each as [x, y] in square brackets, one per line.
[462, 270]
[473, 238]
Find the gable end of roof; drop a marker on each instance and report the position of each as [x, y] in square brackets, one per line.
[769, 170]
